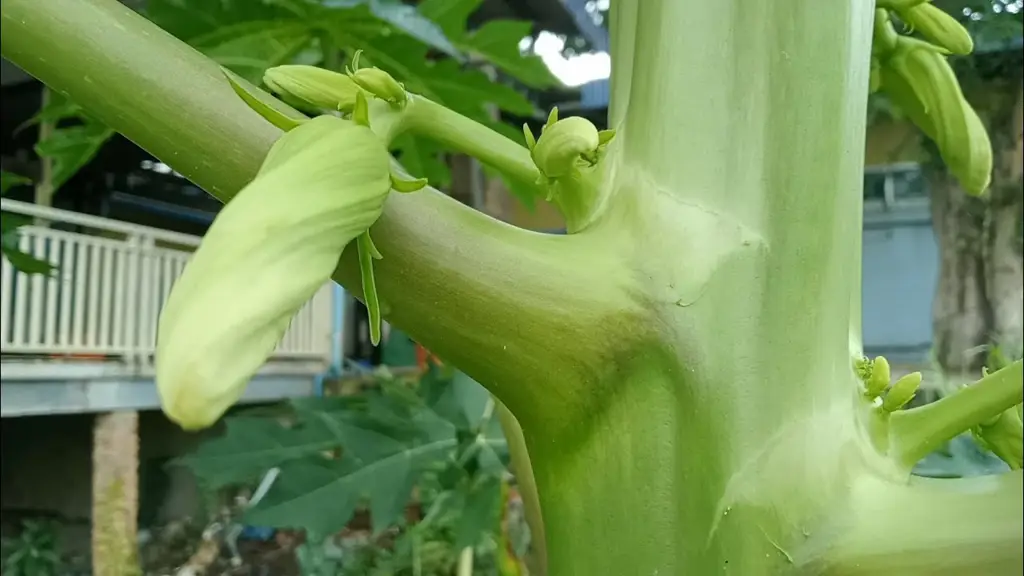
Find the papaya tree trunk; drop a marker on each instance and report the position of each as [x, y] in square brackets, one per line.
[682, 365]
[980, 297]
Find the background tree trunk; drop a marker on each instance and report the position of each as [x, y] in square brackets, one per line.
[115, 494]
[980, 297]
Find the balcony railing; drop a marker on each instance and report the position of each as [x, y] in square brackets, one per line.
[111, 281]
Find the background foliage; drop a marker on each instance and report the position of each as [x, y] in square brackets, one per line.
[428, 47]
[438, 438]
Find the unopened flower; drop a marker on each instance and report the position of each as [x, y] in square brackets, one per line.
[312, 87]
[267, 253]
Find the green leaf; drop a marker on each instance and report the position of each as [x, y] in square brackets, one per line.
[249, 48]
[423, 158]
[9, 180]
[27, 263]
[498, 42]
[251, 446]
[406, 19]
[58, 108]
[469, 91]
[481, 513]
[321, 494]
[450, 15]
[460, 399]
[192, 19]
[72, 148]
[22, 261]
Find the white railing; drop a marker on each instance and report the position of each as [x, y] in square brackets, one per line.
[105, 297]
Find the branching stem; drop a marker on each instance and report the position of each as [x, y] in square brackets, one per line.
[931, 527]
[429, 119]
[497, 301]
[916, 432]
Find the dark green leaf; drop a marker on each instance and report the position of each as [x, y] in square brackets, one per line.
[450, 15]
[321, 494]
[498, 42]
[72, 148]
[481, 513]
[27, 263]
[58, 108]
[422, 158]
[9, 180]
[192, 19]
[252, 446]
[249, 48]
[21, 260]
[406, 19]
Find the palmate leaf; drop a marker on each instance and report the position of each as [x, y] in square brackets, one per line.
[406, 19]
[336, 454]
[497, 41]
[321, 494]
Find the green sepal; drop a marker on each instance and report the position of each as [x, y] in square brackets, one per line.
[406, 186]
[367, 254]
[268, 112]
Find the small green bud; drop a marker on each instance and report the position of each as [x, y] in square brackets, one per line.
[563, 143]
[268, 251]
[938, 27]
[884, 35]
[380, 84]
[317, 88]
[902, 391]
[879, 379]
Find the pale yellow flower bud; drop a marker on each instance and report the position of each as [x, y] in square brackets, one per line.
[315, 87]
[918, 79]
[267, 253]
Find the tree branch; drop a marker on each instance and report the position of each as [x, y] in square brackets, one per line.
[930, 527]
[525, 314]
[917, 432]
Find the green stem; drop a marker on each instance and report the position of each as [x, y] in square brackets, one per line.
[930, 527]
[431, 120]
[919, 431]
[474, 290]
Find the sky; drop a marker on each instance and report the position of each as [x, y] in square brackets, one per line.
[574, 70]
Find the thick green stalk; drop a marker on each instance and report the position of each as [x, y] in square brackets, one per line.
[928, 527]
[917, 432]
[474, 290]
[737, 174]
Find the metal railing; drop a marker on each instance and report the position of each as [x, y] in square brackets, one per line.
[111, 280]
